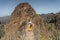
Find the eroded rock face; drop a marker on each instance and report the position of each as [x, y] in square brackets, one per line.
[24, 24]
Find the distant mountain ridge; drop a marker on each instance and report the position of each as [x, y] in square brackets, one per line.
[46, 17]
[4, 19]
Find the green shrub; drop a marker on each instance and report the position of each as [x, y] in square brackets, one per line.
[2, 32]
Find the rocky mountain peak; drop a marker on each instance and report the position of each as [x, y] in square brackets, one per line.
[24, 24]
[23, 9]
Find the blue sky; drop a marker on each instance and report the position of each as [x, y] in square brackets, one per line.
[40, 6]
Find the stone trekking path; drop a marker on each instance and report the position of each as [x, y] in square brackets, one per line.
[29, 35]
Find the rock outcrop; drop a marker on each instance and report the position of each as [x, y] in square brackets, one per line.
[53, 20]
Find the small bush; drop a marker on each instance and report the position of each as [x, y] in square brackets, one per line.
[2, 32]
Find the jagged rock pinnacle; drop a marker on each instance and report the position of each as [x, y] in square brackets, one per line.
[23, 8]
